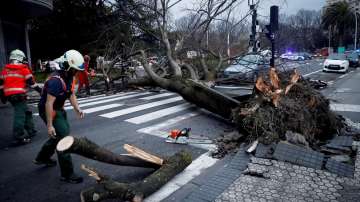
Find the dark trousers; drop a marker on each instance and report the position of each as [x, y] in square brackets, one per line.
[23, 119]
[62, 129]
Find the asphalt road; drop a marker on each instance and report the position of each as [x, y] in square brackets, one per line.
[137, 118]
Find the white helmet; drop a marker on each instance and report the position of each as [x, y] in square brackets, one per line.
[17, 55]
[74, 59]
[71, 59]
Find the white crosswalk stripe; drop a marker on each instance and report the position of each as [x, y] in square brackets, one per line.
[158, 114]
[114, 109]
[109, 100]
[157, 96]
[100, 98]
[140, 107]
[101, 108]
[91, 97]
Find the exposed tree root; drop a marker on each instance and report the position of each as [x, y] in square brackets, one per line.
[300, 109]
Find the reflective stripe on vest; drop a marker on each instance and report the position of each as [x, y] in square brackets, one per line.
[14, 75]
[14, 81]
[14, 90]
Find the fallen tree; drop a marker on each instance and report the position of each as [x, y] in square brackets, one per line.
[280, 102]
[107, 188]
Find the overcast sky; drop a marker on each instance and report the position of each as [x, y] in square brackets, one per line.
[286, 6]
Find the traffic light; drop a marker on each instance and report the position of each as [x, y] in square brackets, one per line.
[274, 18]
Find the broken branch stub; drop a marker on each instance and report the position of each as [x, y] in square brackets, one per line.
[274, 79]
[143, 155]
[137, 191]
[89, 149]
[293, 79]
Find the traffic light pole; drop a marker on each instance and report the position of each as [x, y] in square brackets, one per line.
[272, 60]
[253, 28]
[272, 28]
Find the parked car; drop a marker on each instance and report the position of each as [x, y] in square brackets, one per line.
[353, 58]
[284, 56]
[247, 67]
[336, 62]
[306, 55]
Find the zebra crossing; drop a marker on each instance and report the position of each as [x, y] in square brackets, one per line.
[114, 106]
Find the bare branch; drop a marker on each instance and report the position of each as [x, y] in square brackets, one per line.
[150, 72]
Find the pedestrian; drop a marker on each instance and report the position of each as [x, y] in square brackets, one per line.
[59, 87]
[84, 76]
[15, 78]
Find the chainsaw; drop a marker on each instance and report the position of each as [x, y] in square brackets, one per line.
[183, 137]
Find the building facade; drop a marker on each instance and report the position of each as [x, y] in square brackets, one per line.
[14, 17]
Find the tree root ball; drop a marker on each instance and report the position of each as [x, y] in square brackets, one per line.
[303, 110]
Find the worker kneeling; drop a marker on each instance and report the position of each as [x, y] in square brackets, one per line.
[57, 89]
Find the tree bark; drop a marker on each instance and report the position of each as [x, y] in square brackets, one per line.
[193, 75]
[110, 189]
[195, 92]
[88, 149]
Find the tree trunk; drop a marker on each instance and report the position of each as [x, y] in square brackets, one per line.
[110, 189]
[203, 96]
[88, 149]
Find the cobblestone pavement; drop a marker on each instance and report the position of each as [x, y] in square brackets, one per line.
[270, 180]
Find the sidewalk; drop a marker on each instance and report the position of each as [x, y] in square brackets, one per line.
[249, 178]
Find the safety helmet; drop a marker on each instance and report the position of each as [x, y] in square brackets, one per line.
[70, 59]
[74, 59]
[17, 55]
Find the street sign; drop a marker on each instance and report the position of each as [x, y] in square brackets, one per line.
[341, 49]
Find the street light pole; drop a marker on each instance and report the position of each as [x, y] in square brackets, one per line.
[356, 28]
[329, 47]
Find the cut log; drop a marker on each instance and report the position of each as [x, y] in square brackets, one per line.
[110, 189]
[88, 149]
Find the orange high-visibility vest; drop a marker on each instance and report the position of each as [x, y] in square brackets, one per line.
[14, 77]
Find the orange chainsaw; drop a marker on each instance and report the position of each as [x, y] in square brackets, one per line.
[183, 137]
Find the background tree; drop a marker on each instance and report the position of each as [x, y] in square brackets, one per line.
[73, 24]
[340, 17]
[299, 32]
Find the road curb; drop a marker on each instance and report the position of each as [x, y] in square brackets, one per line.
[223, 178]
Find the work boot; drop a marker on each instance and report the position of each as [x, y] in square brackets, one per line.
[22, 141]
[73, 179]
[32, 134]
[47, 163]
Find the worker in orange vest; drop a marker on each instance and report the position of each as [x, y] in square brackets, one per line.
[83, 76]
[15, 78]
